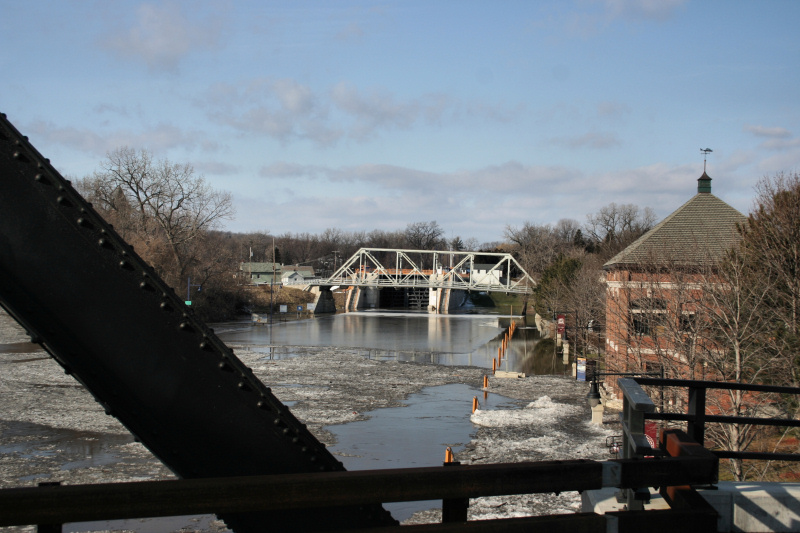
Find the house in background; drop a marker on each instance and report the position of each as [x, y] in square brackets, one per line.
[260, 273]
[277, 273]
[296, 274]
[484, 275]
[653, 287]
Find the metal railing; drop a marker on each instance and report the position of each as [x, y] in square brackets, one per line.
[696, 416]
[292, 492]
[639, 407]
[681, 462]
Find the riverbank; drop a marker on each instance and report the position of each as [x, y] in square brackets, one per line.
[52, 430]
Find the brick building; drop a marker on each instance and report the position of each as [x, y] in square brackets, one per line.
[653, 287]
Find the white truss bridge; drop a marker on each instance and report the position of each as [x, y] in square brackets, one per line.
[430, 269]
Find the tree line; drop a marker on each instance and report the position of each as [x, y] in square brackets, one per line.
[741, 326]
[174, 220]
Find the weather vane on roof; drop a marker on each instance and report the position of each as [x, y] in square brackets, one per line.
[705, 151]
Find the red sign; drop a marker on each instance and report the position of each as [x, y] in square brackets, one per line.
[562, 323]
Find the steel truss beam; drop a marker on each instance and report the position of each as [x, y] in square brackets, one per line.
[448, 270]
[107, 318]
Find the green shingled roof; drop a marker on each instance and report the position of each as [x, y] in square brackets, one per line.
[699, 231]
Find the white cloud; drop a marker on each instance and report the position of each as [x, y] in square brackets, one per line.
[162, 35]
[595, 140]
[477, 202]
[217, 168]
[610, 109]
[157, 139]
[352, 31]
[288, 111]
[643, 9]
[594, 16]
[763, 131]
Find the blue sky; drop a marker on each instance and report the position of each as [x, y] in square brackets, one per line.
[371, 115]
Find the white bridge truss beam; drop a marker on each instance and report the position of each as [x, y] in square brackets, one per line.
[431, 269]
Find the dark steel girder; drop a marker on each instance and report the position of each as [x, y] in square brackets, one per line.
[100, 311]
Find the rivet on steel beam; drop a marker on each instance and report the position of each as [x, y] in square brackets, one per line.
[223, 366]
[261, 404]
[185, 326]
[63, 200]
[165, 307]
[20, 156]
[41, 178]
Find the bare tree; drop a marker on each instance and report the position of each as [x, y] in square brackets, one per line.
[615, 226]
[536, 246]
[424, 235]
[772, 237]
[161, 206]
[736, 300]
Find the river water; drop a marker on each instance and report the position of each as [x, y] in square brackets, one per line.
[460, 339]
[439, 416]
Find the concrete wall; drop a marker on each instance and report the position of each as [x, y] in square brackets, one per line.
[323, 298]
[742, 506]
[445, 300]
[362, 298]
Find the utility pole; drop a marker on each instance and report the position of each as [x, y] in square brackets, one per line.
[272, 282]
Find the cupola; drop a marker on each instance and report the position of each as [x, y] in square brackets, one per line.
[704, 183]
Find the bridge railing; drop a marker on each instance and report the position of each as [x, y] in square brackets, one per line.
[639, 407]
[453, 483]
[697, 415]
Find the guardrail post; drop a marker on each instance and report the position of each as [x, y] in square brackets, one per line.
[697, 411]
[454, 509]
[634, 405]
[49, 528]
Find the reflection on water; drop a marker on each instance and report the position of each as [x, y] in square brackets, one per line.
[468, 340]
[415, 435]
[87, 448]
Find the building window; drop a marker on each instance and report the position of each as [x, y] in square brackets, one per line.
[646, 315]
[688, 322]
